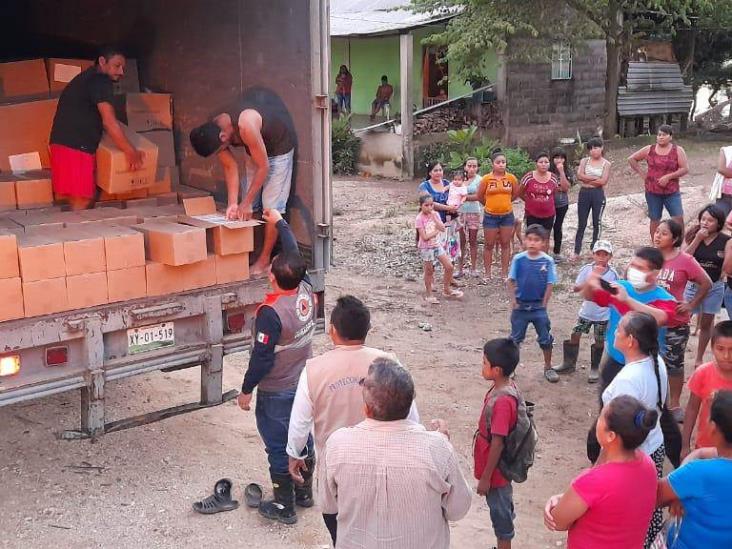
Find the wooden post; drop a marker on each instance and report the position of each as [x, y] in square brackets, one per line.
[406, 53]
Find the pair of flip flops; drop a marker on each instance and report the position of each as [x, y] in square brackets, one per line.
[221, 500]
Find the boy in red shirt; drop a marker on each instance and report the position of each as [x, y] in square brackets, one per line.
[706, 380]
[498, 418]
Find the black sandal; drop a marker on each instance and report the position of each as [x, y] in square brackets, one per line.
[219, 501]
[253, 495]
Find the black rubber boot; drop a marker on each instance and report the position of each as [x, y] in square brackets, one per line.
[282, 508]
[596, 356]
[304, 492]
[571, 351]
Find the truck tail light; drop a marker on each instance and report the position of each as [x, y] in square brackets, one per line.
[57, 356]
[9, 365]
[235, 322]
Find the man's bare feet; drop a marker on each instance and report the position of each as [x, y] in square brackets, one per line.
[259, 269]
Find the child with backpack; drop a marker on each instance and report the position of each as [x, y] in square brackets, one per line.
[505, 441]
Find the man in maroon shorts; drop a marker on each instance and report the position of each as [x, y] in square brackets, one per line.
[84, 110]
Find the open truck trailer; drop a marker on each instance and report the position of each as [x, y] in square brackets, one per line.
[205, 54]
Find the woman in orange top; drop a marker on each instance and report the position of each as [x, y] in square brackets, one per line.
[497, 191]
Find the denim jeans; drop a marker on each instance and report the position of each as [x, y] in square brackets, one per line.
[525, 314]
[276, 188]
[273, 420]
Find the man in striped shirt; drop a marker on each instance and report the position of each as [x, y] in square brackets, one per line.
[393, 484]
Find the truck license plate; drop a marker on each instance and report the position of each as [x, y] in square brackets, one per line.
[148, 338]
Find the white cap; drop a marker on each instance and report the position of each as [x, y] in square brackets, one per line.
[603, 245]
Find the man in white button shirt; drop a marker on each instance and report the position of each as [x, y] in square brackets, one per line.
[329, 396]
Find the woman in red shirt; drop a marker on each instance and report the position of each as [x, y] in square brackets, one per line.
[666, 163]
[344, 83]
[610, 504]
[537, 190]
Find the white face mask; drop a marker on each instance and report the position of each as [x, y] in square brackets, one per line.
[637, 278]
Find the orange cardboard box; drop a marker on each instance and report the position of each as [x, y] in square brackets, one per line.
[226, 237]
[26, 128]
[106, 216]
[8, 255]
[34, 190]
[232, 268]
[139, 193]
[23, 79]
[198, 275]
[113, 171]
[163, 182]
[11, 299]
[63, 71]
[44, 297]
[149, 111]
[173, 243]
[7, 193]
[125, 284]
[83, 252]
[41, 257]
[86, 290]
[124, 248]
[162, 279]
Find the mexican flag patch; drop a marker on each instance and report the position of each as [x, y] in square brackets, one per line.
[262, 338]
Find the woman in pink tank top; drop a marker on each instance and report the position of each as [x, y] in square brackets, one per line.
[666, 163]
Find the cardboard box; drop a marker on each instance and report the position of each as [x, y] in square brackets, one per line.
[139, 202]
[26, 128]
[149, 111]
[124, 248]
[162, 279]
[130, 83]
[83, 252]
[166, 146]
[121, 197]
[34, 190]
[232, 268]
[163, 182]
[167, 199]
[8, 255]
[198, 275]
[225, 237]
[7, 193]
[113, 173]
[63, 71]
[40, 257]
[23, 79]
[173, 243]
[11, 299]
[44, 297]
[87, 290]
[126, 284]
[107, 216]
[10, 226]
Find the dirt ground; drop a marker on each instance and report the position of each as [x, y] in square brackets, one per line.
[135, 488]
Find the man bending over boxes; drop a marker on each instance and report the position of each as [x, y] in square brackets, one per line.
[258, 122]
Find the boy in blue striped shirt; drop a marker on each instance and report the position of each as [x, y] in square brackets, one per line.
[530, 282]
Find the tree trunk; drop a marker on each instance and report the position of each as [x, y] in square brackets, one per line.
[613, 49]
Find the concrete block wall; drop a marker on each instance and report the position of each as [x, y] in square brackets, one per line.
[538, 111]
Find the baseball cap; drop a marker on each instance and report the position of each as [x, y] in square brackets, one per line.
[604, 246]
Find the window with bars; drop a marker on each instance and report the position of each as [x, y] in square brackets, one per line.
[561, 62]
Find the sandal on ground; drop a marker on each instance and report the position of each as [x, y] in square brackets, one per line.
[454, 294]
[432, 300]
[253, 494]
[551, 375]
[219, 501]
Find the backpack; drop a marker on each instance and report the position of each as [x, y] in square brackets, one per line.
[519, 446]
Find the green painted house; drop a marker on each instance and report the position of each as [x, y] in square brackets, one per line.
[365, 38]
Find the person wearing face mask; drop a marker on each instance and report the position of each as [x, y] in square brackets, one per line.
[639, 292]
[281, 344]
[329, 396]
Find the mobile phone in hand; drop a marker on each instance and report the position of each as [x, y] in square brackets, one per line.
[605, 285]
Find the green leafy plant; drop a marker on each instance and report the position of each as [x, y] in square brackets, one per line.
[345, 147]
[518, 161]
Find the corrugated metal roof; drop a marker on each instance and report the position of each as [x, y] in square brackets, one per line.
[370, 17]
[654, 88]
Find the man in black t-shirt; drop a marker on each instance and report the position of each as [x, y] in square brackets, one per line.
[84, 111]
[258, 122]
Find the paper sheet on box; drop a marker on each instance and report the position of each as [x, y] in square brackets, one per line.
[220, 219]
[65, 73]
[25, 162]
